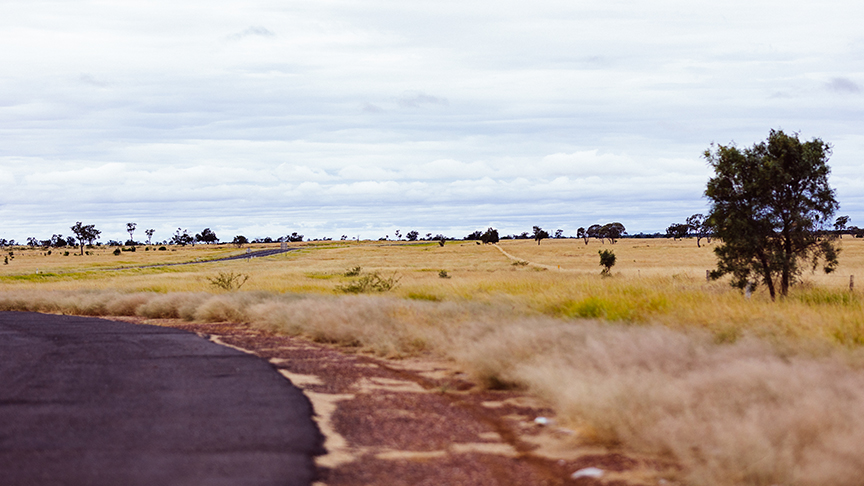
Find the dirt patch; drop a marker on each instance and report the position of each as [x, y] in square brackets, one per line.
[421, 421]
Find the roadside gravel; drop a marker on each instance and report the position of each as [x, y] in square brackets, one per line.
[422, 422]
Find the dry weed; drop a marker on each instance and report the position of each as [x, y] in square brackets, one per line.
[741, 391]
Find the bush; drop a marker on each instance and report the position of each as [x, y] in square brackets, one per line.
[372, 282]
[228, 280]
[607, 261]
[162, 248]
[116, 251]
[352, 272]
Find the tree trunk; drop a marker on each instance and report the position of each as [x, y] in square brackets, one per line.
[786, 271]
[766, 275]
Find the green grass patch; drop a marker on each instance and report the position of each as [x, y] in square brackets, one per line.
[825, 296]
[625, 308]
[424, 296]
[320, 276]
[32, 277]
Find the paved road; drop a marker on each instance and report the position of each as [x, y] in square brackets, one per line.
[88, 401]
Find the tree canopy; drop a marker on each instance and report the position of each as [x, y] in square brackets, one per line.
[539, 234]
[769, 206]
[207, 236]
[86, 233]
[490, 236]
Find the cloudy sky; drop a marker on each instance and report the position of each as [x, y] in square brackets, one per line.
[265, 117]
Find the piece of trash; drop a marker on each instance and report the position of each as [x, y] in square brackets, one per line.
[541, 421]
[588, 472]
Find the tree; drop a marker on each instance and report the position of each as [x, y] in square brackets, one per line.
[130, 228]
[677, 231]
[149, 233]
[490, 236]
[581, 233]
[539, 234]
[612, 231]
[58, 241]
[559, 233]
[593, 231]
[474, 236]
[700, 228]
[207, 236]
[239, 241]
[840, 225]
[769, 205]
[182, 239]
[86, 233]
[412, 235]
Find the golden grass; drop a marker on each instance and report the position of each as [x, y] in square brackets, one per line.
[740, 391]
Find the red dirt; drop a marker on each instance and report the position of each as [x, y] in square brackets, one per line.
[419, 422]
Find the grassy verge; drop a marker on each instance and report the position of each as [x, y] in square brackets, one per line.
[740, 391]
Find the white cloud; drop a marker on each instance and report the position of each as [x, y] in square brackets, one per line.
[485, 111]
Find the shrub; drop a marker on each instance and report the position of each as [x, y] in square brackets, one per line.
[443, 274]
[228, 280]
[162, 248]
[352, 272]
[116, 251]
[372, 282]
[607, 261]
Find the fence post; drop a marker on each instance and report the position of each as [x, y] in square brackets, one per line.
[707, 275]
[851, 283]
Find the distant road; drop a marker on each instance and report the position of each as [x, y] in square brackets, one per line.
[252, 254]
[242, 256]
[96, 402]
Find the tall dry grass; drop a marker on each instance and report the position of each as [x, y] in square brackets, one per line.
[745, 412]
[741, 391]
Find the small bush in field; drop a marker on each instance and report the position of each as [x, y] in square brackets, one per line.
[228, 280]
[372, 282]
[352, 272]
[117, 251]
[607, 261]
[443, 274]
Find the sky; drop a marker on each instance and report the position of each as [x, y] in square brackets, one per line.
[330, 118]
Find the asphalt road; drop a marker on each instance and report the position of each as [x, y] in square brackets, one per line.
[87, 401]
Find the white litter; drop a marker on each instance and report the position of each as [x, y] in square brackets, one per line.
[542, 421]
[588, 472]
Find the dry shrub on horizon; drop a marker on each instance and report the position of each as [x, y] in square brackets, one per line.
[748, 412]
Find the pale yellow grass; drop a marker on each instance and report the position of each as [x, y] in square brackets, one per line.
[741, 391]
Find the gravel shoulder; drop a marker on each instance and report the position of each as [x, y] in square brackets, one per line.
[422, 422]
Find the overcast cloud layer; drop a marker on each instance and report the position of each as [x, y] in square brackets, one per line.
[333, 117]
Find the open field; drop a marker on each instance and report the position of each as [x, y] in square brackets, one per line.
[740, 391]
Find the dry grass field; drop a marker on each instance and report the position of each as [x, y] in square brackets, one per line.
[739, 390]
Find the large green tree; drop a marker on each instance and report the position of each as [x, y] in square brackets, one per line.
[769, 206]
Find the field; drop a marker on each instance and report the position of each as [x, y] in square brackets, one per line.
[740, 390]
